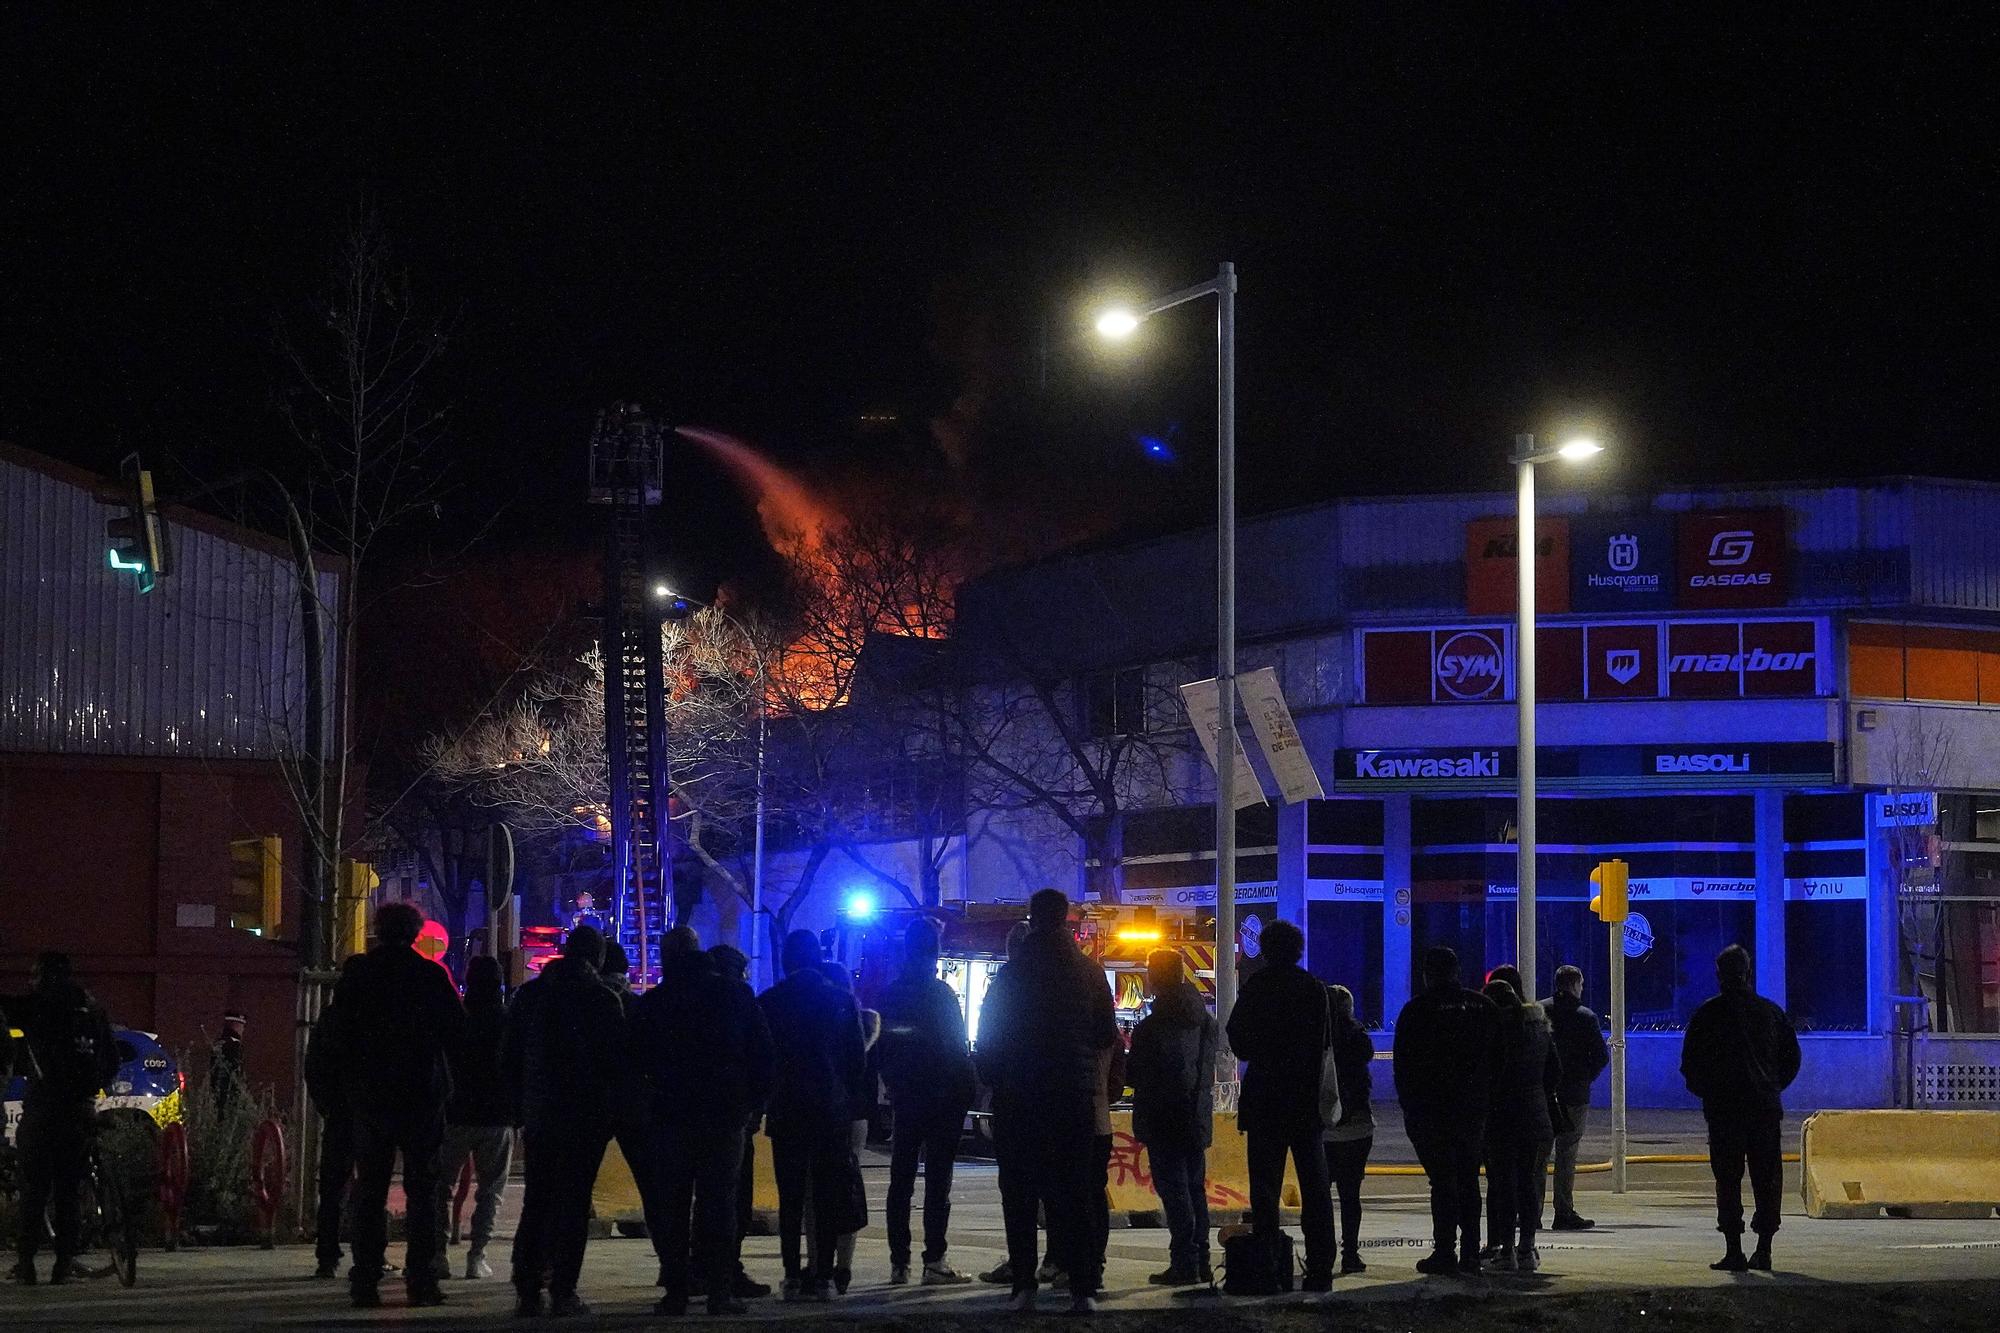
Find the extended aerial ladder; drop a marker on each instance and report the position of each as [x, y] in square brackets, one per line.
[627, 451]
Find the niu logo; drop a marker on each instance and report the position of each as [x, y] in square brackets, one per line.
[1732, 548]
[1470, 666]
[1622, 553]
[1622, 664]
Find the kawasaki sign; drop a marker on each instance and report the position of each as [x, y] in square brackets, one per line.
[1588, 767]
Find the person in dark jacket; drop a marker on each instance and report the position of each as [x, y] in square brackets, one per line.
[1172, 1070]
[927, 1067]
[733, 965]
[69, 1056]
[1580, 1044]
[703, 1054]
[816, 1083]
[478, 1120]
[559, 1054]
[1519, 1132]
[1349, 1142]
[336, 1135]
[1739, 1056]
[1281, 1028]
[226, 1079]
[398, 1016]
[1047, 1018]
[1445, 1063]
[630, 1127]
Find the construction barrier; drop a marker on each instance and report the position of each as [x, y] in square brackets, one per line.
[615, 1196]
[1902, 1163]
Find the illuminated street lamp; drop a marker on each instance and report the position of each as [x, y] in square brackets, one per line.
[1526, 457]
[1122, 322]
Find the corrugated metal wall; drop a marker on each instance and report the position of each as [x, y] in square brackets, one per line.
[206, 665]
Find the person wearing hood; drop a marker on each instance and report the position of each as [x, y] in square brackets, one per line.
[1445, 1062]
[703, 1054]
[1281, 1029]
[851, 1204]
[1580, 1043]
[1519, 1132]
[399, 1017]
[478, 1118]
[1172, 1070]
[820, 1065]
[68, 1054]
[1349, 1141]
[927, 1066]
[1739, 1056]
[560, 1052]
[1046, 1020]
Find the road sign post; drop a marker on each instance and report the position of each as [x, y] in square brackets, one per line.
[1612, 907]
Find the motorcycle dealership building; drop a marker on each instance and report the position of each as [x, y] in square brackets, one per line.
[1781, 707]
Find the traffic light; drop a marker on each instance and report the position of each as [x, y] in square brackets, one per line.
[257, 885]
[358, 882]
[135, 538]
[1610, 880]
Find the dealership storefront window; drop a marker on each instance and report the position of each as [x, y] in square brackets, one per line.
[1947, 877]
[1344, 900]
[1692, 862]
[1826, 911]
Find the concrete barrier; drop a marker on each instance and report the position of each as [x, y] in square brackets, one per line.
[1901, 1163]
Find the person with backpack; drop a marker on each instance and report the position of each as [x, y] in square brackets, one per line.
[1580, 1045]
[561, 1053]
[1446, 1054]
[1047, 1019]
[1172, 1070]
[927, 1066]
[1519, 1128]
[818, 1072]
[399, 1015]
[1350, 1139]
[1281, 1029]
[1739, 1056]
[479, 1121]
[703, 1053]
[69, 1056]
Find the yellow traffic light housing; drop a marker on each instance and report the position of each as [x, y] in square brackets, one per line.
[135, 539]
[358, 881]
[257, 885]
[1611, 902]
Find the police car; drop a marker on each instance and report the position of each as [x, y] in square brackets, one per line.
[147, 1084]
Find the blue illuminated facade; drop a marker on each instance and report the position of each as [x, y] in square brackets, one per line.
[1781, 707]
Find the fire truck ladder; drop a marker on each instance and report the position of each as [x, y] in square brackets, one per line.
[625, 472]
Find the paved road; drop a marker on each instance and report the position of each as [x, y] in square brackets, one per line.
[1659, 1236]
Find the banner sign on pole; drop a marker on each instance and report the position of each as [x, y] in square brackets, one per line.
[1277, 737]
[1204, 705]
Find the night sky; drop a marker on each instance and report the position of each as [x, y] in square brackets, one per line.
[1751, 242]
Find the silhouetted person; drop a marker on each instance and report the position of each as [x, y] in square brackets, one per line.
[1349, 1142]
[1446, 1057]
[815, 1085]
[927, 1066]
[1018, 1204]
[703, 1054]
[479, 1118]
[225, 1062]
[1172, 1070]
[630, 1127]
[336, 1133]
[560, 1053]
[1046, 1020]
[68, 1056]
[397, 1015]
[850, 1206]
[1739, 1056]
[1281, 1028]
[1580, 1043]
[1519, 1131]
[734, 966]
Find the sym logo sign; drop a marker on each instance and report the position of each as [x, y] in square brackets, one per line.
[1732, 559]
[1471, 665]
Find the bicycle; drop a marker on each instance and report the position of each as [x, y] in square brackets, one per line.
[108, 1219]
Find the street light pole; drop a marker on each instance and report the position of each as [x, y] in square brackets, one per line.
[1524, 713]
[1526, 457]
[1121, 323]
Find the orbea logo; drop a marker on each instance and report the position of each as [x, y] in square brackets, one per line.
[1470, 665]
[1732, 548]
